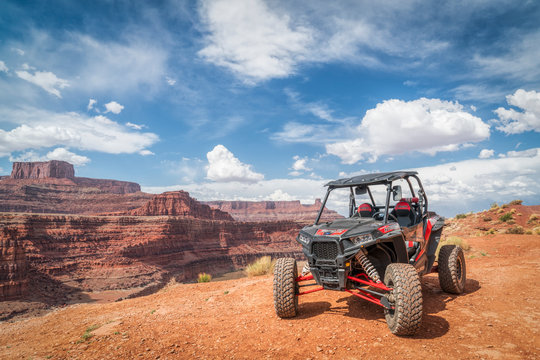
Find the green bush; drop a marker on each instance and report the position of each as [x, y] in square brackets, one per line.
[204, 277]
[533, 218]
[461, 216]
[261, 266]
[505, 217]
[494, 205]
[515, 202]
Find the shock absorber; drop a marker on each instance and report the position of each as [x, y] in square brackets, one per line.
[368, 266]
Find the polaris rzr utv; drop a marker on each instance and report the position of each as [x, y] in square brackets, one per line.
[377, 253]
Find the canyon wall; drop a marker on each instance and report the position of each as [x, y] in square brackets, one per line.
[13, 265]
[273, 210]
[121, 252]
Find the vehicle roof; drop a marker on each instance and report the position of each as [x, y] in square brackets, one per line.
[370, 179]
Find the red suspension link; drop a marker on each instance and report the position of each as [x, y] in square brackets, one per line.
[370, 282]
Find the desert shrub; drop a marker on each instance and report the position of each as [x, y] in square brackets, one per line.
[487, 218]
[504, 206]
[88, 333]
[453, 240]
[494, 205]
[513, 211]
[515, 230]
[491, 231]
[505, 217]
[261, 266]
[461, 216]
[528, 232]
[515, 202]
[204, 277]
[500, 211]
[536, 230]
[533, 218]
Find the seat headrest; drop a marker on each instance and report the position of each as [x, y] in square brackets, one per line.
[402, 208]
[365, 210]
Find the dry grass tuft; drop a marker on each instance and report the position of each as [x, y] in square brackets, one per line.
[261, 266]
[515, 230]
[453, 240]
[204, 277]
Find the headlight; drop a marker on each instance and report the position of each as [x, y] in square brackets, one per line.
[362, 239]
[304, 239]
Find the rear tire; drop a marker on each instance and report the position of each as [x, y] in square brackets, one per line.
[452, 269]
[406, 298]
[285, 288]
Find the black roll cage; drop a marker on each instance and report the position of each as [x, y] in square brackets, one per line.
[376, 179]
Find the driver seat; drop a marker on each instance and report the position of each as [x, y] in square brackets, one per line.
[404, 214]
[365, 210]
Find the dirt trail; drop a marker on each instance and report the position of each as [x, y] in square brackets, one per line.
[497, 318]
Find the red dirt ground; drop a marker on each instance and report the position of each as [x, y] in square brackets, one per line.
[497, 318]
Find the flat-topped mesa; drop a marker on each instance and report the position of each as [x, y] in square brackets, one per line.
[42, 170]
[273, 210]
[179, 203]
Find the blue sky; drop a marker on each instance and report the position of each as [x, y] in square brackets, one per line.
[268, 100]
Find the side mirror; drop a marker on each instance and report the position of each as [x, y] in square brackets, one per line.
[396, 191]
[360, 190]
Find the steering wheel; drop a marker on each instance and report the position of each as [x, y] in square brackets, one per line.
[379, 213]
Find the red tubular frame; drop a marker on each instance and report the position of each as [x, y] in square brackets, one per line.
[370, 282]
[361, 294]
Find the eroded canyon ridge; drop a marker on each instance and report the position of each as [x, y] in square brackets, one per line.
[62, 233]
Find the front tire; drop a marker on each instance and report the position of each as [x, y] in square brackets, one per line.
[285, 288]
[452, 269]
[406, 298]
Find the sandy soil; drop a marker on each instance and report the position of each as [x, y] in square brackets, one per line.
[497, 318]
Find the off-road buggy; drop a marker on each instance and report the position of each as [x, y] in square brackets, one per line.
[378, 253]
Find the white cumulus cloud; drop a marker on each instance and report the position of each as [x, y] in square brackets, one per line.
[46, 80]
[251, 40]
[299, 166]
[397, 127]
[36, 128]
[113, 107]
[486, 154]
[516, 122]
[223, 166]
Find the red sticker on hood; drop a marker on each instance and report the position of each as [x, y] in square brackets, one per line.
[331, 232]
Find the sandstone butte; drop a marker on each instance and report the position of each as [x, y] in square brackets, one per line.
[62, 236]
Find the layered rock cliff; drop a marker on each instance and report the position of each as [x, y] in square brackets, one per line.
[13, 265]
[120, 252]
[273, 210]
[179, 203]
